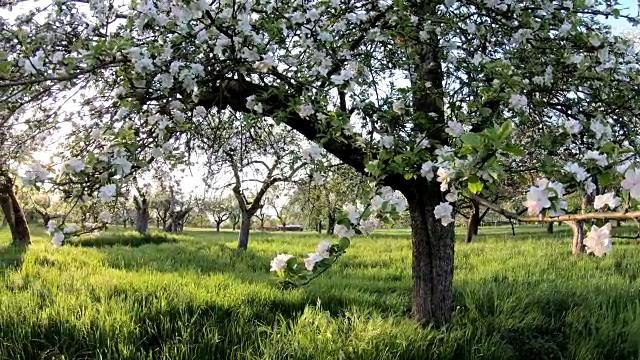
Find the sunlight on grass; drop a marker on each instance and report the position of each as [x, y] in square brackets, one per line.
[192, 296]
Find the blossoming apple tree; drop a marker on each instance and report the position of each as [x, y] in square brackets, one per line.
[429, 98]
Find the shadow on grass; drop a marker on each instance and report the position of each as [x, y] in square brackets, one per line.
[179, 256]
[11, 257]
[130, 239]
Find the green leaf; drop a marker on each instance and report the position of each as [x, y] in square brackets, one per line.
[514, 149]
[344, 243]
[505, 130]
[485, 111]
[475, 185]
[292, 265]
[472, 139]
[408, 176]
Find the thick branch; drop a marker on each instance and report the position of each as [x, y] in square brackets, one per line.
[620, 215]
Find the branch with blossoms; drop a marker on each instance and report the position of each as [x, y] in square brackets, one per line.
[385, 206]
[545, 203]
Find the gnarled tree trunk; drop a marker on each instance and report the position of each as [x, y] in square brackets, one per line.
[142, 214]
[14, 215]
[432, 257]
[474, 221]
[577, 242]
[331, 223]
[245, 226]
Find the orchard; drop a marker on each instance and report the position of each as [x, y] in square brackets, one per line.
[354, 114]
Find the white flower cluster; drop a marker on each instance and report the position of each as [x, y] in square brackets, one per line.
[631, 182]
[323, 251]
[34, 173]
[546, 195]
[388, 199]
[598, 241]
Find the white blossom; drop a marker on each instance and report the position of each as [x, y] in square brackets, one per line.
[537, 200]
[305, 110]
[600, 159]
[105, 217]
[444, 177]
[598, 241]
[57, 239]
[279, 263]
[377, 202]
[608, 199]
[427, 170]
[572, 126]
[518, 102]
[71, 228]
[51, 227]
[631, 182]
[443, 212]
[107, 192]
[324, 248]
[75, 165]
[386, 141]
[398, 202]
[311, 261]
[577, 171]
[452, 195]
[343, 231]
[367, 226]
[454, 129]
[398, 107]
[352, 214]
[311, 153]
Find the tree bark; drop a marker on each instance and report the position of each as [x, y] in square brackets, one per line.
[245, 226]
[550, 228]
[432, 257]
[474, 221]
[14, 215]
[218, 226]
[577, 243]
[331, 223]
[319, 227]
[142, 214]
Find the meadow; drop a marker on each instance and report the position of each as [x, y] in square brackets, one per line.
[191, 296]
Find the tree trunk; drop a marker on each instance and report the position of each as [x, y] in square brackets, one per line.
[142, 217]
[218, 226]
[550, 228]
[45, 219]
[618, 223]
[16, 220]
[331, 223]
[234, 226]
[474, 221]
[433, 251]
[245, 226]
[577, 243]
[319, 227]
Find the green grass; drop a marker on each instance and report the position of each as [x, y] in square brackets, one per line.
[193, 297]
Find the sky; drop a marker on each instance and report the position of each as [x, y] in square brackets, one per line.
[627, 7]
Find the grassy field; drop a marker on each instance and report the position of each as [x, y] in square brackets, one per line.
[193, 297]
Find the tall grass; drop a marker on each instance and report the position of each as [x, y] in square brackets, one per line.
[193, 297]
